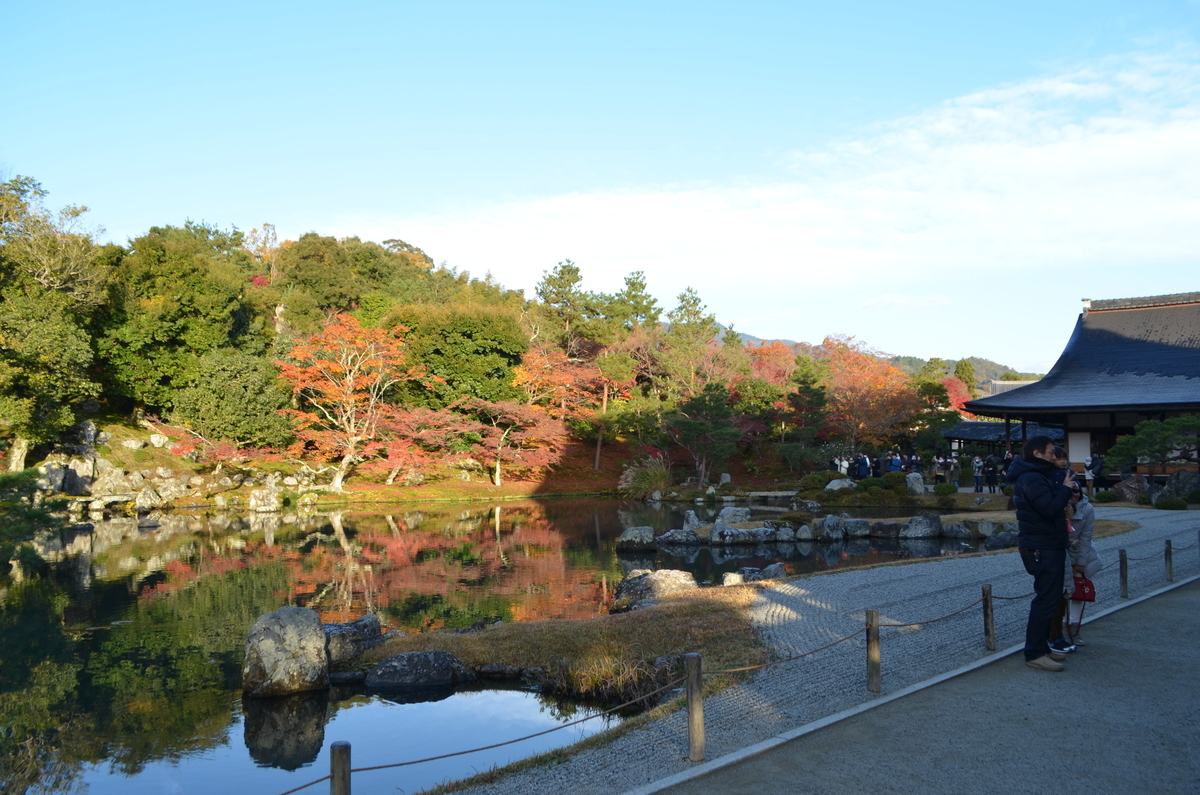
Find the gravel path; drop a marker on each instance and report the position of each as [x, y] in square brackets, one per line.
[811, 612]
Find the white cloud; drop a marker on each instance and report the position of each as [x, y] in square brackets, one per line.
[1080, 183]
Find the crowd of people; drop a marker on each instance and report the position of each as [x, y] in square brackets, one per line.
[988, 472]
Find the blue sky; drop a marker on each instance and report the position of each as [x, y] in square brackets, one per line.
[938, 179]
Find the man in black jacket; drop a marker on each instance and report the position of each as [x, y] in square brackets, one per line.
[1041, 492]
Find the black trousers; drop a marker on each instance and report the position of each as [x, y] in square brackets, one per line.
[1046, 566]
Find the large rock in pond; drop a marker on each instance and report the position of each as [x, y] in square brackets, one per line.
[642, 584]
[925, 526]
[349, 640]
[915, 483]
[982, 529]
[691, 521]
[857, 528]
[730, 515]
[886, 529]
[285, 653]
[830, 528]
[420, 669]
[840, 483]
[1003, 540]
[681, 537]
[636, 539]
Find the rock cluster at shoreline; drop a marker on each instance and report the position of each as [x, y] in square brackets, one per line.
[730, 530]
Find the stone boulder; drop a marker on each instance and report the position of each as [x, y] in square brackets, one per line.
[1180, 484]
[1004, 540]
[133, 444]
[857, 528]
[434, 668]
[158, 440]
[112, 481]
[349, 640]
[1129, 488]
[926, 526]
[684, 537]
[840, 483]
[915, 483]
[886, 529]
[804, 533]
[691, 521]
[148, 498]
[642, 584]
[636, 539]
[982, 529]
[266, 500]
[732, 578]
[956, 530]
[776, 571]
[807, 506]
[285, 653]
[730, 515]
[830, 528]
[785, 533]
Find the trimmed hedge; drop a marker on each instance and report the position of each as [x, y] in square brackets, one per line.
[944, 489]
[1171, 504]
[871, 483]
[1105, 496]
[1143, 499]
[818, 480]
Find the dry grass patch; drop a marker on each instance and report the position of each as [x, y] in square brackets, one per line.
[610, 658]
[1113, 527]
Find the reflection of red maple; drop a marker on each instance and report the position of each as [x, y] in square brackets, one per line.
[380, 561]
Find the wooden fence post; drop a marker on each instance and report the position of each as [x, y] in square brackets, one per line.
[1124, 574]
[695, 708]
[1169, 559]
[874, 672]
[989, 619]
[339, 768]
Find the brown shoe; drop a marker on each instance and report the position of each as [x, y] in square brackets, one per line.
[1045, 664]
[1057, 656]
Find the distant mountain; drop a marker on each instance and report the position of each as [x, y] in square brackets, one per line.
[985, 369]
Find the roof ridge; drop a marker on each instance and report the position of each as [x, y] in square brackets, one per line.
[1142, 302]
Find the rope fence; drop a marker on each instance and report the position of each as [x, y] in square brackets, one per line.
[340, 769]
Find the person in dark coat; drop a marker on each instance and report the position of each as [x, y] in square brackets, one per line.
[1041, 492]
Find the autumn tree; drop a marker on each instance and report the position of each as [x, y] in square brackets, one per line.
[516, 434]
[413, 438]
[340, 377]
[870, 400]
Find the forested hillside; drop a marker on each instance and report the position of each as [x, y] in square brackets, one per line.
[371, 360]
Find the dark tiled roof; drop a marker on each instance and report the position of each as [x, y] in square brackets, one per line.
[994, 431]
[1129, 354]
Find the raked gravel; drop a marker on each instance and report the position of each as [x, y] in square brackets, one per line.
[807, 613]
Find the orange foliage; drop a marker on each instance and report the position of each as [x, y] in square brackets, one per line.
[869, 399]
[773, 361]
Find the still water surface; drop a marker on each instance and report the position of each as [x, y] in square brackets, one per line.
[121, 670]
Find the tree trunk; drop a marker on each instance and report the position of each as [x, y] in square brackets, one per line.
[17, 453]
[599, 446]
[496, 471]
[343, 469]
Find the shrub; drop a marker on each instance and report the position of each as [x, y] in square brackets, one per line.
[894, 480]
[944, 489]
[871, 483]
[645, 476]
[818, 480]
[1194, 496]
[1105, 496]
[944, 501]
[1171, 504]
[1008, 491]
[1143, 499]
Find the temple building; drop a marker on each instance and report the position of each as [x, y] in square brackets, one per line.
[1128, 360]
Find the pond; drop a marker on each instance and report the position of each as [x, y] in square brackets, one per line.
[122, 668]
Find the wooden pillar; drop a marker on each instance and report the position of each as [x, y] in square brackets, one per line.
[1124, 573]
[874, 663]
[1007, 434]
[339, 768]
[989, 619]
[695, 708]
